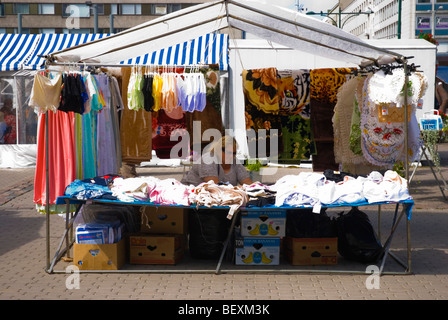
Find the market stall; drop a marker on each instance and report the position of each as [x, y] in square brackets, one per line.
[270, 22]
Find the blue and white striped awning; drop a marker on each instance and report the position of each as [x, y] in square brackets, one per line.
[23, 51]
[49, 42]
[14, 48]
[209, 49]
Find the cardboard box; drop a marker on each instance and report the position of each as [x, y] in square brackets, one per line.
[257, 251]
[99, 256]
[156, 249]
[169, 220]
[311, 251]
[263, 223]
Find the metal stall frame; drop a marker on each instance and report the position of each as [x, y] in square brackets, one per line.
[50, 60]
[67, 238]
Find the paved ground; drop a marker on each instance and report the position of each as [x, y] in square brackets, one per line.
[23, 258]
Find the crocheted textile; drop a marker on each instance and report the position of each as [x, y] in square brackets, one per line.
[382, 117]
[345, 118]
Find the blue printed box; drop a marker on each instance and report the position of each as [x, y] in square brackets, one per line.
[257, 251]
[263, 223]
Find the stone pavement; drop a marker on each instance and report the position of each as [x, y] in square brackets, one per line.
[23, 257]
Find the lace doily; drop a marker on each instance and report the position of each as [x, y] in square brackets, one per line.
[387, 88]
[382, 143]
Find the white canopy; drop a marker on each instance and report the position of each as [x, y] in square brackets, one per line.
[277, 24]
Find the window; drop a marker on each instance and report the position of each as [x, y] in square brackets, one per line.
[159, 9]
[130, 9]
[174, 7]
[82, 30]
[99, 9]
[114, 9]
[23, 31]
[2, 10]
[76, 10]
[47, 30]
[423, 1]
[23, 8]
[47, 8]
[441, 22]
[423, 23]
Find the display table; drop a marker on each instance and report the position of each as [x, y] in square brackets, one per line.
[406, 210]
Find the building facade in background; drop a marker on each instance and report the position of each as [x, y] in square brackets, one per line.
[106, 16]
[397, 19]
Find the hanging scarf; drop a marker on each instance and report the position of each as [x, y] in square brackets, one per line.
[261, 97]
[294, 92]
[325, 84]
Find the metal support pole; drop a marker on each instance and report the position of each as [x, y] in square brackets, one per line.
[95, 18]
[406, 118]
[111, 22]
[19, 23]
[399, 19]
[47, 190]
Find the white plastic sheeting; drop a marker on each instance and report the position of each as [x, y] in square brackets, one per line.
[18, 155]
[280, 25]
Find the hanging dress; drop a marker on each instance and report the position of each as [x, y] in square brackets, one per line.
[62, 160]
[157, 92]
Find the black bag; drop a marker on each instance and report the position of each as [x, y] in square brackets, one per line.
[304, 223]
[356, 238]
[208, 230]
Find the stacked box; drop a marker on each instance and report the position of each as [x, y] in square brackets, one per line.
[311, 251]
[259, 239]
[155, 249]
[257, 251]
[109, 256]
[162, 236]
[263, 223]
[164, 220]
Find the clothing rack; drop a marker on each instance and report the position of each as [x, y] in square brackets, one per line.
[387, 68]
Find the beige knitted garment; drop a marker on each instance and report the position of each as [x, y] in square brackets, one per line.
[350, 162]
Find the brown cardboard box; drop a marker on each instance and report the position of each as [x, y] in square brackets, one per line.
[156, 249]
[311, 251]
[169, 220]
[99, 256]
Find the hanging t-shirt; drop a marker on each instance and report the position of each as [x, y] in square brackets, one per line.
[46, 93]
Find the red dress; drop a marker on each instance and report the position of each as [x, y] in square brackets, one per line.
[62, 160]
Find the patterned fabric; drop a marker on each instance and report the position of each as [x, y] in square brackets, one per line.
[294, 91]
[260, 87]
[324, 84]
[382, 122]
